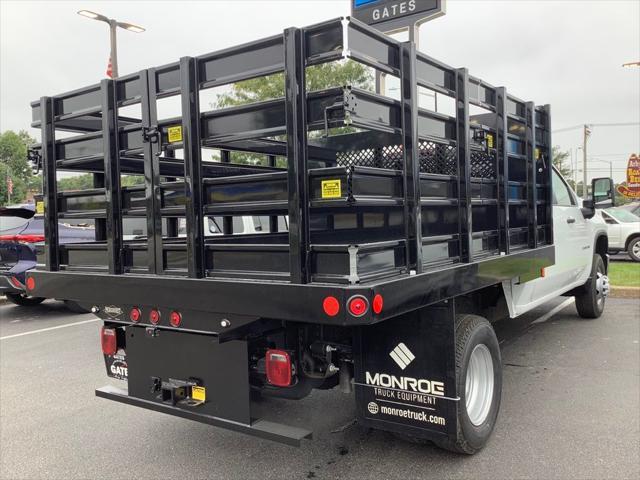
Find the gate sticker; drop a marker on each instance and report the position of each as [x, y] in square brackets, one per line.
[175, 134]
[117, 366]
[331, 188]
[39, 207]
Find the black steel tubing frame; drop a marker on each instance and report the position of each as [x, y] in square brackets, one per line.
[290, 53]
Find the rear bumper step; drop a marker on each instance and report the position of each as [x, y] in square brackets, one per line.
[258, 428]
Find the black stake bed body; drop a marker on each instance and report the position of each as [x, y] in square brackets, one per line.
[349, 193]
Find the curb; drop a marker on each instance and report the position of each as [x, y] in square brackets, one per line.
[625, 292]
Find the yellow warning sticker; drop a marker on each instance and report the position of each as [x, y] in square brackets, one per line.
[331, 188]
[39, 207]
[537, 153]
[175, 134]
[489, 140]
[198, 393]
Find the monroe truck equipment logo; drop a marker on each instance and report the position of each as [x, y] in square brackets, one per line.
[402, 355]
[429, 387]
[113, 311]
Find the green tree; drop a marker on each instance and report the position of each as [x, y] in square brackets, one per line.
[560, 161]
[319, 77]
[14, 166]
[85, 181]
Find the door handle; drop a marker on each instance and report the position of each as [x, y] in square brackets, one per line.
[571, 220]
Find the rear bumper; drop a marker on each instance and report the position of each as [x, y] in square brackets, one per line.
[10, 284]
[259, 428]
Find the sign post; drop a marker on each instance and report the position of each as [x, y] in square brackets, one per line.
[394, 16]
[391, 16]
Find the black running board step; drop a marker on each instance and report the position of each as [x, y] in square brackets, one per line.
[259, 428]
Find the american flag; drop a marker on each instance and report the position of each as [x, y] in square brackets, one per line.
[109, 69]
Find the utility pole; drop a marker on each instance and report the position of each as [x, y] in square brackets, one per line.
[585, 190]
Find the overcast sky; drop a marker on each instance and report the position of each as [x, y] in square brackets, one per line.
[566, 53]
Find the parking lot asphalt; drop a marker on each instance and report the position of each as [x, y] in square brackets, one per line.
[570, 409]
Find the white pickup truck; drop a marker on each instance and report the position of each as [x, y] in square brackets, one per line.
[581, 261]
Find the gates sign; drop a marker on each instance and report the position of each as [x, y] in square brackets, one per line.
[391, 15]
[632, 188]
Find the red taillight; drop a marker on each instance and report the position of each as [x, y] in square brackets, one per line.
[331, 306]
[30, 283]
[358, 306]
[175, 319]
[135, 314]
[378, 303]
[109, 340]
[154, 316]
[22, 238]
[278, 365]
[15, 282]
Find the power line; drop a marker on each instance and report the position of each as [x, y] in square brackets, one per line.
[577, 127]
[612, 154]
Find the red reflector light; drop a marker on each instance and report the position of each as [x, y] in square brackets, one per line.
[135, 314]
[22, 238]
[378, 303]
[175, 319]
[331, 306]
[154, 316]
[278, 365]
[30, 283]
[15, 282]
[358, 306]
[109, 340]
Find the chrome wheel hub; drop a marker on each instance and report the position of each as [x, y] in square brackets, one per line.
[602, 288]
[479, 385]
[602, 284]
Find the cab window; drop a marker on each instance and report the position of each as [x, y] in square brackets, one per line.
[561, 194]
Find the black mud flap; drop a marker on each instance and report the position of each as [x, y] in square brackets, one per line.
[194, 376]
[405, 374]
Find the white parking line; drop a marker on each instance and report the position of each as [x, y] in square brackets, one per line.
[553, 311]
[51, 328]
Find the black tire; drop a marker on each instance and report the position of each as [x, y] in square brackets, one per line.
[472, 331]
[590, 302]
[75, 307]
[24, 300]
[634, 249]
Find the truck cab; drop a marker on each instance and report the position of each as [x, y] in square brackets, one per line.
[581, 243]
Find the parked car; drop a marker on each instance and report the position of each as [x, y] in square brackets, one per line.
[21, 239]
[624, 231]
[633, 207]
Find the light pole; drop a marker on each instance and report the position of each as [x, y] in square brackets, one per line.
[604, 161]
[113, 25]
[575, 172]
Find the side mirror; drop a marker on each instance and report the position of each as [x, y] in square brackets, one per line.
[588, 210]
[604, 195]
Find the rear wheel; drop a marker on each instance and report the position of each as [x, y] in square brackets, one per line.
[634, 249]
[24, 300]
[479, 383]
[75, 307]
[590, 303]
